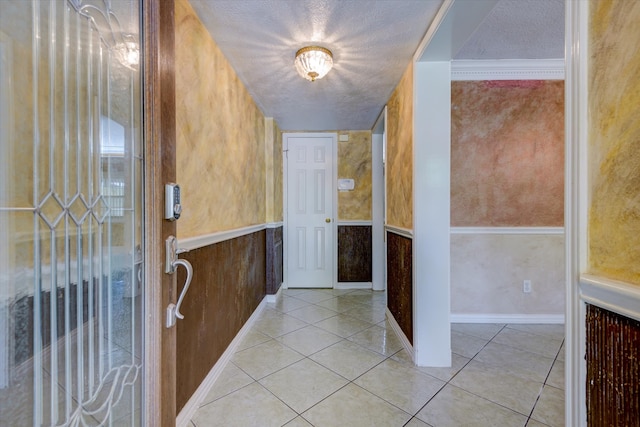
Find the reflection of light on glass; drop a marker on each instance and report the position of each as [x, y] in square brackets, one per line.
[128, 52]
[131, 55]
[111, 138]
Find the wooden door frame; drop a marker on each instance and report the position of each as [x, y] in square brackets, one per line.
[159, 167]
[285, 198]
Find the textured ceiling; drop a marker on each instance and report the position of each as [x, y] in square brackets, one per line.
[519, 29]
[372, 43]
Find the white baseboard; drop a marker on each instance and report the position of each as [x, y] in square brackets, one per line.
[398, 330]
[353, 285]
[508, 318]
[189, 410]
[273, 298]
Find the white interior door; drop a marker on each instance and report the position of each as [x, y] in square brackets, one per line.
[309, 222]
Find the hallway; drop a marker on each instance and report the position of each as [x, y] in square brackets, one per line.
[329, 358]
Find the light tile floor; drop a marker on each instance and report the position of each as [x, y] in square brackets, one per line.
[329, 358]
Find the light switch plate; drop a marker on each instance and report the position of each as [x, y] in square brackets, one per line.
[346, 184]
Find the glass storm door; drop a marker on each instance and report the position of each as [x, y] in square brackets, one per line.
[71, 303]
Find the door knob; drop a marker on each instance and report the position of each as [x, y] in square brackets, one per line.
[327, 220]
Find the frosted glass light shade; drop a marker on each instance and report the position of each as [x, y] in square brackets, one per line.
[313, 62]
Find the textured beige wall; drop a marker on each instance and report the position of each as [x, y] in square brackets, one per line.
[269, 141]
[614, 139]
[220, 136]
[273, 168]
[399, 166]
[487, 271]
[278, 177]
[354, 161]
[507, 153]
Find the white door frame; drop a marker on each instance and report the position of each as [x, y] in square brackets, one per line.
[576, 207]
[454, 23]
[378, 196]
[334, 198]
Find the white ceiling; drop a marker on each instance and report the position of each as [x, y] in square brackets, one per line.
[372, 43]
[519, 29]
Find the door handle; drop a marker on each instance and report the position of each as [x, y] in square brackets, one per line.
[171, 264]
[327, 220]
[173, 310]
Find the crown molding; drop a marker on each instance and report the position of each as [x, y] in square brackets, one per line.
[507, 69]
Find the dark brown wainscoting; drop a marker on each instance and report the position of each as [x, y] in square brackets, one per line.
[613, 369]
[228, 285]
[400, 281]
[354, 253]
[274, 260]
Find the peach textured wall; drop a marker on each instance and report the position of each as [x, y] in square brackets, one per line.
[614, 140]
[399, 167]
[354, 161]
[507, 153]
[220, 136]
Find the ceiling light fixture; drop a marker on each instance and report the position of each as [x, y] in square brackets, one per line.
[313, 62]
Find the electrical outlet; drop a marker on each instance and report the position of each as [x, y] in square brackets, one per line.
[526, 286]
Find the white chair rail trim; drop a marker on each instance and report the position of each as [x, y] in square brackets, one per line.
[507, 230]
[196, 242]
[613, 295]
[368, 223]
[405, 232]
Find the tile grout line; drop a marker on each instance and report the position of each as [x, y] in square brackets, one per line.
[544, 384]
[448, 382]
[386, 357]
[331, 370]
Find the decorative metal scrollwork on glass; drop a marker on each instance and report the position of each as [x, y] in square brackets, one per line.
[71, 237]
